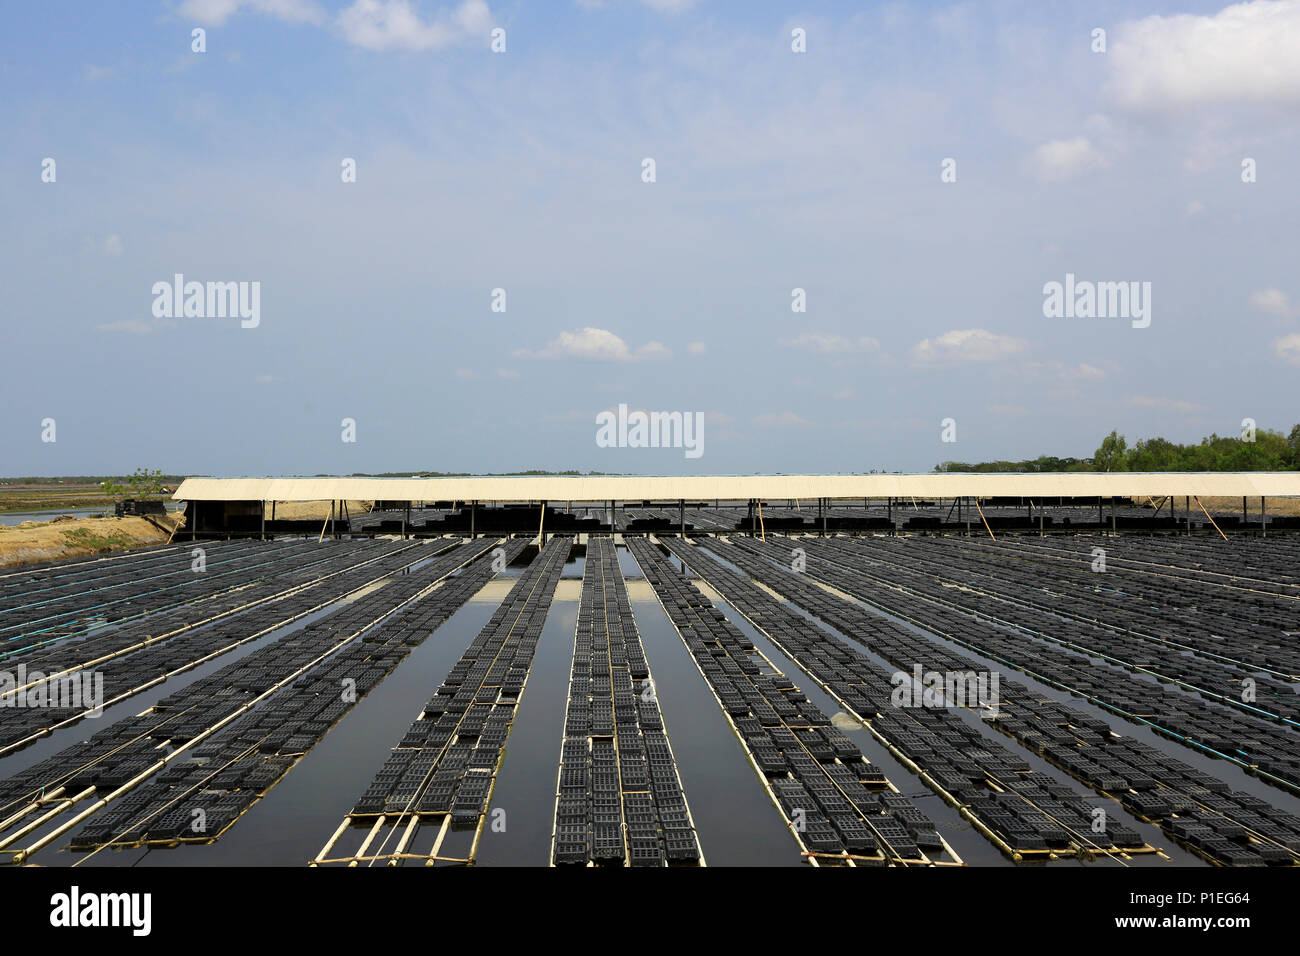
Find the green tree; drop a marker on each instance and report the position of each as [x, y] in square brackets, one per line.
[1112, 454]
[142, 483]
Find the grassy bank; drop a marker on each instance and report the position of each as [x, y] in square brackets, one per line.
[35, 541]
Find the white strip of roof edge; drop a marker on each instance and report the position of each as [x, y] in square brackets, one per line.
[701, 487]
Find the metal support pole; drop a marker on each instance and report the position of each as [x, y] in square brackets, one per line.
[473, 519]
[263, 520]
[828, 508]
[1187, 507]
[1243, 512]
[406, 516]
[821, 517]
[1263, 517]
[681, 515]
[541, 526]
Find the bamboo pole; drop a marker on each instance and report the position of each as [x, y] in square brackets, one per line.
[985, 520]
[1207, 514]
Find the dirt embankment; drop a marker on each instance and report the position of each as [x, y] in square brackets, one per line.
[34, 541]
[319, 510]
[1232, 506]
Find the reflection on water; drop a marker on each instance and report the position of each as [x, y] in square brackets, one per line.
[736, 821]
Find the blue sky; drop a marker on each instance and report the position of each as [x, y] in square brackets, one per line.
[522, 171]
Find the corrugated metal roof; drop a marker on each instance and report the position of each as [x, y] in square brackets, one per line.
[772, 487]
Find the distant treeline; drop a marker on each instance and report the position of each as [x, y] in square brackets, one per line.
[465, 474]
[177, 479]
[79, 479]
[1270, 451]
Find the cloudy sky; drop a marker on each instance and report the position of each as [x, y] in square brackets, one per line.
[523, 171]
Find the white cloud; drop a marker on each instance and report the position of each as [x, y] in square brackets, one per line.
[1082, 372]
[697, 348]
[1194, 208]
[1272, 301]
[395, 25]
[130, 326]
[507, 373]
[214, 13]
[1064, 158]
[1245, 53]
[966, 346]
[669, 6]
[1007, 411]
[1153, 401]
[111, 245]
[717, 418]
[1287, 348]
[780, 420]
[598, 345]
[827, 344]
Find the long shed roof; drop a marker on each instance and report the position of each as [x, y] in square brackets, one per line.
[770, 487]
